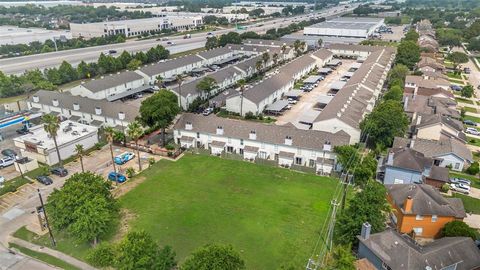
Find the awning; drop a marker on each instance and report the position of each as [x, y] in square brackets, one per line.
[288, 155]
[348, 74]
[293, 93]
[324, 99]
[337, 85]
[35, 109]
[312, 79]
[250, 149]
[217, 144]
[54, 113]
[200, 69]
[309, 117]
[334, 62]
[169, 80]
[186, 139]
[129, 93]
[96, 123]
[226, 60]
[74, 118]
[356, 65]
[277, 106]
[324, 70]
[325, 161]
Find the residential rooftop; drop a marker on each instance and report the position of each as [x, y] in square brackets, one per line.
[110, 81]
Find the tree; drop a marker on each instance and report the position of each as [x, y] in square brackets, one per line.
[80, 152]
[394, 93]
[82, 70]
[473, 169]
[51, 124]
[275, 58]
[258, 65]
[109, 133]
[67, 72]
[125, 58]
[214, 257]
[265, 58]
[133, 64]
[347, 155]
[474, 44]
[369, 205]
[457, 58]
[467, 91]
[103, 255]
[139, 251]
[412, 35]
[385, 122]
[159, 110]
[340, 258]
[134, 131]
[458, 228]
[397, 75]
[206, 85]
[408, 54]
[211, 43]
[365, 171]
[84, 207]
[230, 37]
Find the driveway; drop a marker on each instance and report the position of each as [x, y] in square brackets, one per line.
[304, 106]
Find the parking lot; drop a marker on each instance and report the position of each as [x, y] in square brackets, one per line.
[305, 106]
[397, 34]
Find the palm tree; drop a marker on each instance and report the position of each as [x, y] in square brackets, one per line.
[241, 83]
[80, 152]
[259, 65]
[160, 81]
[135, 131]
[275, 58]
[265, 58]
[179, 78]
[109, 133]
[51, 126]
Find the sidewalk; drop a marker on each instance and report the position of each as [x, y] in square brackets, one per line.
[52, 252]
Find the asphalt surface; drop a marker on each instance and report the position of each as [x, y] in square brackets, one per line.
[18, 65]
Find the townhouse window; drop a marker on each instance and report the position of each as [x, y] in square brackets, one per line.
[434, 218]
[198, 135]
[241, 143]
[298, 160]
[457, 166]
[240, 151]
[311, 163]
[418, 230]
[230, 149]
[419, 217]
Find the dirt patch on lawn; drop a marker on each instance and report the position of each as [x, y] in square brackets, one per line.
[122, 189]
[125, 217]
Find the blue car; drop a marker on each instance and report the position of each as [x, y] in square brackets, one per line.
[455, 87]
[118, 177]
[124, 158]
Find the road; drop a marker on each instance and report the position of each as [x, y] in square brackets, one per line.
[18, 65]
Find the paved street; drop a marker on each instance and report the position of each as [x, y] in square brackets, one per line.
[18, 65]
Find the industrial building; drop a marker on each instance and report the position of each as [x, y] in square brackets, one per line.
[134, 27]
[345, 27]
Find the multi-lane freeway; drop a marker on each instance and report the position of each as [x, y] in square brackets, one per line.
[18, 65]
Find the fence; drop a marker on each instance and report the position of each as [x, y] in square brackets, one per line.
[303, 168]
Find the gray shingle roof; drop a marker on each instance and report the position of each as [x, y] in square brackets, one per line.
[307, 139]
[430, 105]
[112, 80]
[432, 148]
[399, 252]
[65, 100]
[214, 52]
[157, 68]
[426, 199]
[410, 159]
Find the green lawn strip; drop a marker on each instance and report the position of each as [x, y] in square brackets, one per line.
[44, 257]
[453, 75]
[472, 205]
[463, 100]
[473, 141]
[470, 109]
[473, 118]
[475, 180]
[13, 185]
[270, 215]
[460, 82]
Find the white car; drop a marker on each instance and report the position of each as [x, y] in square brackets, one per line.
[6, 161]
[462, 188]
[472, 131]
[292, 101]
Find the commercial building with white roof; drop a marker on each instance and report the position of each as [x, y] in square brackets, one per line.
[357, 27]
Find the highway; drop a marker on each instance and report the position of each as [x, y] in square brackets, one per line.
[18, 65]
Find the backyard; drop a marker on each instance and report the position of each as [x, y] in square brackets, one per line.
[270, 215]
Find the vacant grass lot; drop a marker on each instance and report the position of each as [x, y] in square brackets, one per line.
[44, 257]
[270, 215]
[472, 205]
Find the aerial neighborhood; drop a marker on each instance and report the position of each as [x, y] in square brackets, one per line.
[227, 135]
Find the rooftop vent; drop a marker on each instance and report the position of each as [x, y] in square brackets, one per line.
[252, 135]
[76, 106]
[55, 102]
[36, 99]
[98, 110]
[188, 126]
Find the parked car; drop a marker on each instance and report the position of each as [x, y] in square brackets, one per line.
[461, 188]
[467, 70]
[461, 181]
[472, 131]
[117, 177]
[470, 123]
[455, 87]
[123, 158]
[9, 153]
[23, 130]
[292, 101]
[207, 111]
[44, 180]
[6, 161]
[60, 171]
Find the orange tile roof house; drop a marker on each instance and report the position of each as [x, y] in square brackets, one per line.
[421, 210]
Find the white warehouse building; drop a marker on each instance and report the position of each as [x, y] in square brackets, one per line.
[134, 27]
[39, 145]
[345, 27]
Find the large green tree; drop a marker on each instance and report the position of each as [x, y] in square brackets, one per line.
[340, 258]
[467, 91]
[384, 123]
[397, 75]
[394, 93]
[457, 58]
[214, 257]
[206, 85]
[84, 207]
[347, 155]
[211, 43]
[408, 54]
[458, 228]
[412, 35]
[369, 205]
[159, 110]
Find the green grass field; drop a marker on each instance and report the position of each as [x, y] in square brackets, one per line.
[270, 215]
[472, 205]
[44, 257]
[470, 109]
[463, 100]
